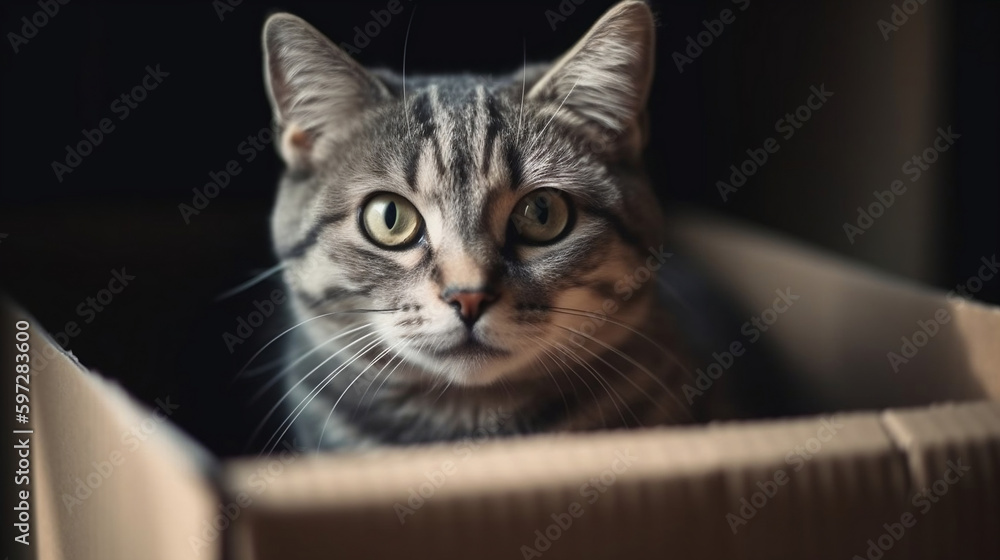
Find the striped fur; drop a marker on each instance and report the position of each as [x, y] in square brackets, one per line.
[464, 150]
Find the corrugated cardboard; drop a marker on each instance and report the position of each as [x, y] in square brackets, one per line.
[908, 468]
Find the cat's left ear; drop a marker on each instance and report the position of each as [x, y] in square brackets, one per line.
[605, 78]
[317, 91]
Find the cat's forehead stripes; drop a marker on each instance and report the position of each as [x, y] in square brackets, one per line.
[464, 120]
[421, 113]
[449, 166]
[493, 126]
[445, 129]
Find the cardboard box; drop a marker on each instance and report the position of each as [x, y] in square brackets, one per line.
[908, 467]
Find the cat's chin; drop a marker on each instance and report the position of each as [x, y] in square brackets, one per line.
[470, 349]
[471, 363]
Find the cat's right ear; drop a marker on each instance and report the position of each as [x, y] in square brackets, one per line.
[317, 91]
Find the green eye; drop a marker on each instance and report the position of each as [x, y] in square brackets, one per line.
[541, 216]
[390, 220]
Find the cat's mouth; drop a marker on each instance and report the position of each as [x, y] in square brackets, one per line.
[470, 348]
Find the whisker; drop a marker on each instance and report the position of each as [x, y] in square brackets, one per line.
[311, 396]
[275, 339]
[250, 283]
[629, 359]
[374, 379]
[562, 366]
[552, 118]
[393, 370]
[556, 383]
[319, 444]
[267, 386]
[604, 384]
[581, 313]
[253, 372]
[524, 81]
[627, 378]
[437, 379]
[276, 405]
[406, 42]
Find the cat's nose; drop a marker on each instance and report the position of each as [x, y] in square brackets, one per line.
[469, 303]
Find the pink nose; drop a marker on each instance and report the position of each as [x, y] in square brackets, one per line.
[469, 303]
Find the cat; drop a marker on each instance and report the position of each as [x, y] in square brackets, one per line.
[470, 255]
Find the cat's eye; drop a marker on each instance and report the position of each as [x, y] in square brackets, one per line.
[391, 220]
[542, 216]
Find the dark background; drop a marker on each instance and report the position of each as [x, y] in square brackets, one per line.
[162, 336]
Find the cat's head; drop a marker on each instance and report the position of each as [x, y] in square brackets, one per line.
[460, 217]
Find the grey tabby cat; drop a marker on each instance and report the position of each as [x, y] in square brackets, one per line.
[470, 254]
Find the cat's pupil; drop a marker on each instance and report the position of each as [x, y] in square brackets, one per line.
[542, 213]
[390, 215]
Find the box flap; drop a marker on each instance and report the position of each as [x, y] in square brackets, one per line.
[853, 334]
[112, 479]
